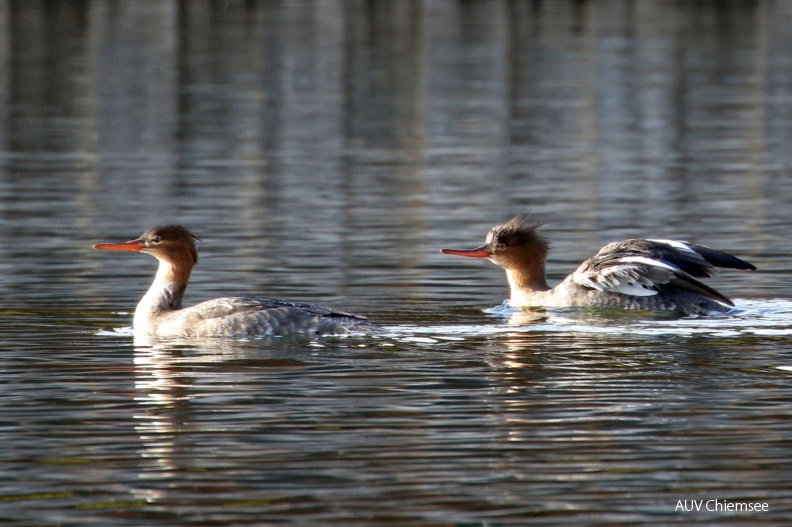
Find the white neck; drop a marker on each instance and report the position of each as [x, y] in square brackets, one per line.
[164, 296]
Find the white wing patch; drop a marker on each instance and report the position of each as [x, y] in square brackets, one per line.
[675, 244]
[649, 261]
[634, 289]
[630, 275]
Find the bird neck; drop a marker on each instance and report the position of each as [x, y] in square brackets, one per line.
[527, 275]
[164, 295]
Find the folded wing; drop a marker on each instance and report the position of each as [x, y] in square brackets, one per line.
[255, 315]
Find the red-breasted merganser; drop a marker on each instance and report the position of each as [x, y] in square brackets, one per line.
[160, 311]
[632, 274]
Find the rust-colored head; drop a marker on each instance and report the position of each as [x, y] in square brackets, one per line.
[513, 244]
[172, 243]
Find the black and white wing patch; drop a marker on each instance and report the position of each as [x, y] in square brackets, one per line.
[647, 267]
[696, 260]
[628, 275]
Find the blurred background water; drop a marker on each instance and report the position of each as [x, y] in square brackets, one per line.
[324, 151]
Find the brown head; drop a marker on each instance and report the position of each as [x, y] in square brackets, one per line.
[517, 246]
[171, 243]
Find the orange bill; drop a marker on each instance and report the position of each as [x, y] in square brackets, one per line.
[478, 252]
[132, 245]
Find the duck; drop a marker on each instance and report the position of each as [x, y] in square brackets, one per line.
[634, 274]
[160, 312]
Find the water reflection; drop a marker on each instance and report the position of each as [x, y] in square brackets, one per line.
[162, 394]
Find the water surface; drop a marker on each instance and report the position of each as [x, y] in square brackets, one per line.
[325, 152]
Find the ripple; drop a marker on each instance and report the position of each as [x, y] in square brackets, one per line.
[751, 317]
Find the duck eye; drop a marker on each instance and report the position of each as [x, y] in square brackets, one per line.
[156, 239]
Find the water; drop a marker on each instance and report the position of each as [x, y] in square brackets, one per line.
[325, 152]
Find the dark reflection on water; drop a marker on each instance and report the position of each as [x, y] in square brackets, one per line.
[325, 151]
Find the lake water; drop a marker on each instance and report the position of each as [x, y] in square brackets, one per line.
[325, 151]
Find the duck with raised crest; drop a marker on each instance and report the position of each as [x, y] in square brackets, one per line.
[632, 274]
[160, 312]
